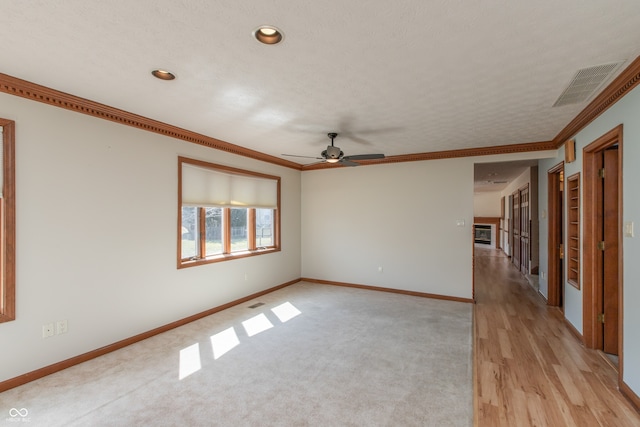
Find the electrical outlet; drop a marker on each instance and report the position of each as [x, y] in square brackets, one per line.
[47, 330]
[380, 269]
[61, 327]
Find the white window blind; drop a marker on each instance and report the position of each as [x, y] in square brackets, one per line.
[217, 188]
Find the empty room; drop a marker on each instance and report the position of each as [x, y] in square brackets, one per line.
[319, 213]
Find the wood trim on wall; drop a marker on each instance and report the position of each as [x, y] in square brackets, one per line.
[572, 329]
[590, 233]
[619, 87]
[391, 290]
[630, 395]
[591, 281]
[35, 92]
[554, 241]
[449, 154]
[493, 221]
[8, 224]
[56, 367]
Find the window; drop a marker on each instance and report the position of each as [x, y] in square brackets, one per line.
[7, 222]
[225, 213]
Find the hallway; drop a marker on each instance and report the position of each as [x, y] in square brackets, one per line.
[530, 369]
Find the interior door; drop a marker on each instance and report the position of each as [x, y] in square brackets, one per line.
[525, 227]
[555, 178]
[611, 227]
[516, 229]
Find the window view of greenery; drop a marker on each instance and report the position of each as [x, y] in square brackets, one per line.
[190, 232]
[239, 230]
[214, 230]
[264, 228]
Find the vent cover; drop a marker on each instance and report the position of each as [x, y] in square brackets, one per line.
[256, 305]
[585, 83]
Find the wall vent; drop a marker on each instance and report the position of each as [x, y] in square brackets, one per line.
[586, 82]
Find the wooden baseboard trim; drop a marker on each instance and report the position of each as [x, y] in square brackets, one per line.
[630, 395]
[573, 330]
[395, 291]
[56, 367]
[476, 368]
[542, 296]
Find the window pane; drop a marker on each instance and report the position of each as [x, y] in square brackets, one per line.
[213, 231]
[264, 228]
[189, 232]
[239, 230]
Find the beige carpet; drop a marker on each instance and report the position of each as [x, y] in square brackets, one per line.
[312, 355]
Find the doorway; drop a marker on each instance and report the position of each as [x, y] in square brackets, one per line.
[602, 304]
[555, 177]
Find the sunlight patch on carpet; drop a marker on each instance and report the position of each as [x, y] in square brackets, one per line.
[224, 341]
[257, 324]
[189, 360]
[286, 311]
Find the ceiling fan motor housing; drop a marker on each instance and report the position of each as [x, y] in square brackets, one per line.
[332, 152]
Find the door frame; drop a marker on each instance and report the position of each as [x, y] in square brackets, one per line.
[592, 286]
[554, 240]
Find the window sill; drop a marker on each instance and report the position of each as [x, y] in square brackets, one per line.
[225, 257]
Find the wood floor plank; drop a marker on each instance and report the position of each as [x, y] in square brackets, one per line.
[531, 370]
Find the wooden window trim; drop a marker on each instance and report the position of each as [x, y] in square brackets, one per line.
[251, 229]
[8, 225]
[227, 255]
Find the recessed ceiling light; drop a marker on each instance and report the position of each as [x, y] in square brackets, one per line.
[268, 35]
[163, 74]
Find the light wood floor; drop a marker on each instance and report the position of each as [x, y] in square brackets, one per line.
[530, 369]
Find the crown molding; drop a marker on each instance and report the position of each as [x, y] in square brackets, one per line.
[449, 154]
[619, 87]
[35, 92]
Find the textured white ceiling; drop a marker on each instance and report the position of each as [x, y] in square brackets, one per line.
[402, 77]
[490, 177]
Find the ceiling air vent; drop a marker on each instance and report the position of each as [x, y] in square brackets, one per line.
[586, 82]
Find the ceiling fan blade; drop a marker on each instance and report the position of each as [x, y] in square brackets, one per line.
[314, 163]
[347, 162]
[364, 157]
[306, 157]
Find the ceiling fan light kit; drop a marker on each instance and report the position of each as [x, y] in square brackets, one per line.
[333, 154]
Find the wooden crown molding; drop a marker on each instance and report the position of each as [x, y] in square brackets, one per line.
[619, 87]
[35, 92]
[449, 154]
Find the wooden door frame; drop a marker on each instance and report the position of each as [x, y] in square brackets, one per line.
[554, 241]
[525, 223]
[592, 286]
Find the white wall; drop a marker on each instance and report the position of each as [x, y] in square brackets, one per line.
[487, 203]
[96, 235]
[625, 111]
[401, 217]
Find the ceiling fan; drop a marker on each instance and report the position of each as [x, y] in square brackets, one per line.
[333, 154]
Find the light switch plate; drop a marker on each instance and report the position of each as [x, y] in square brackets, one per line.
[460, 223]
[628, 229]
